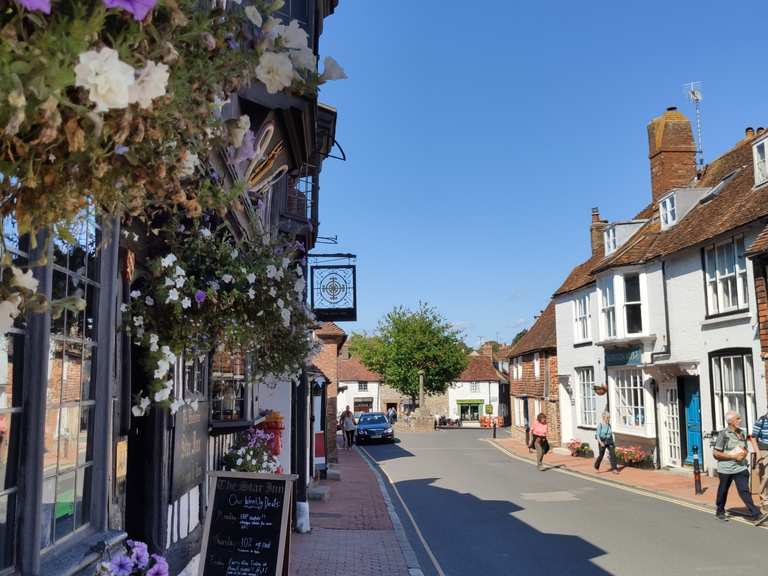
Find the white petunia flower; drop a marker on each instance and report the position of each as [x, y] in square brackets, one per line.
[286, 262]
[226, 278]
[285, 313]
[304, 59]
[205, 233]
[273, 291]
[271, 271]
[280, 303]
[169, 282]
[234, 253]
[189, 162]
[135, 294]
[176, 404]
[173, 295]
[167, 261]
[251, 278]
[299, 285]
[180, 281]
[153, 339]
[149, 301]
[275, 71]
[180, 271]
[162, 395]
[107, 79]
[150, 83]
[186, 302]
[294, 36]
[251, 293]
[332, 70]
[239, 461]
[254, 16]
[123, 307]
[23, 280]
[9, 310]
[138, 321]
[138, 412]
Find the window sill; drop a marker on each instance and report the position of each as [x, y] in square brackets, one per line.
[74, 559]
[735, 317]
[582, 427]
[582, 344]
[630, 339]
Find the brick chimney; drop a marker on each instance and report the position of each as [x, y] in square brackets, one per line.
[672, 152]
[596, 229]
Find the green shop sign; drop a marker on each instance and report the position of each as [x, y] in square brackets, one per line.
[624, 357]
[469, 401]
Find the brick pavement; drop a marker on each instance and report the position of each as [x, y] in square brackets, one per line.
[675, 484]
[351, 532]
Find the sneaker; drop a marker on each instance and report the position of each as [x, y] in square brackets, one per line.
[759, 519]
[721, 516]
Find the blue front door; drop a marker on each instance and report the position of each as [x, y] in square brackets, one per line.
[692, 399]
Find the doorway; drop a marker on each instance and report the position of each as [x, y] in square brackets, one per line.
[689, 386]
[672, 426]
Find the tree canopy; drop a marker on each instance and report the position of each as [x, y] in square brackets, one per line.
[407, 341]
[519, 335]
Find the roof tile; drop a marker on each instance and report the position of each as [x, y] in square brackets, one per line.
[541, 335]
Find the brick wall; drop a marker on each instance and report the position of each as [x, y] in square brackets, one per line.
[533, 388]
[327, 360]
[761, 291]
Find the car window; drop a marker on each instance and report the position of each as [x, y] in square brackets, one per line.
[373, 420]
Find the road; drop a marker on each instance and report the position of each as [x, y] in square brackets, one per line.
[482, 512]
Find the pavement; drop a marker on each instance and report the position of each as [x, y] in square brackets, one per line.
[472, 508]
[673, 483]
[355, 531]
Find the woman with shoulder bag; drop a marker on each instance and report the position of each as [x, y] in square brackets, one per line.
[539, 439]
[606, 441]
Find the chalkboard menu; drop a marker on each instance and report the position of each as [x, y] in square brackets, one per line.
[189, 436]
[246, 527]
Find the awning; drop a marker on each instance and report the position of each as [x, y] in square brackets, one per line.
[470, 401]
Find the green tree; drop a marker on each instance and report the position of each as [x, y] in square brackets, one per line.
[519, 335]
[407, 341]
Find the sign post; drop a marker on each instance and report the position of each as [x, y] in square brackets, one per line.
[247, 525]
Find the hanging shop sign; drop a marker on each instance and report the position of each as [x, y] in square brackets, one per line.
[334, 292]
[247, 525]
[624, 357]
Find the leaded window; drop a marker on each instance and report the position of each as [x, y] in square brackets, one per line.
[585, 377]
[630, 397]
[733, 377]
[726, 274]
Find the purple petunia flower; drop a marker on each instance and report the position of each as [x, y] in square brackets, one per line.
[199, 296]
[37, 5]
[248, 148]
[121, 565]
[160, 568]
[139, 8]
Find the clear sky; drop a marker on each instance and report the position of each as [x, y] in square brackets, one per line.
[479, 140]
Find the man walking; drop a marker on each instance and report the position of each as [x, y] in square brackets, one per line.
[759, 440]
[731, 455]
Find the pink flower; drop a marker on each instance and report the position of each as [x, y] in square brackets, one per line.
[139, 8]
[38, 5]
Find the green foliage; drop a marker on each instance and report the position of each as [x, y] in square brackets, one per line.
[519, 335]
[406, 342]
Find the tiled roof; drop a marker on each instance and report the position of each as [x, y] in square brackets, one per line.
[352, 370]
[480, 369]
[736, 204]
[580, 276]
[541, 335]
[760, 245]
[329, 329]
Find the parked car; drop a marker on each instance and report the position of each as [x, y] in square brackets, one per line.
[374, 426]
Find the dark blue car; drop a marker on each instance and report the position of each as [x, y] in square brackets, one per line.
[374, 426]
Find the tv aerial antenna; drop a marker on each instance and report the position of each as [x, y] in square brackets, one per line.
[694, 94]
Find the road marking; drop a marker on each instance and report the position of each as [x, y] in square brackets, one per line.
[562, 496]
[423, 540]
[623, 487]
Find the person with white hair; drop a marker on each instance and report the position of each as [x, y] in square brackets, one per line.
[731, 455]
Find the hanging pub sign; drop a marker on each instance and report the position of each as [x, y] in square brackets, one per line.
[246, 527]
[189, 456]
[334, 292]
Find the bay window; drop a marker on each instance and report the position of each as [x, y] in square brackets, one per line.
[726, 277]
[630, 397]
[733, 379]
[581, 318]
[633, 306]
[608, 309]
[585, 379]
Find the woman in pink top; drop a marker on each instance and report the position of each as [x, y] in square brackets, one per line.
[539, 435]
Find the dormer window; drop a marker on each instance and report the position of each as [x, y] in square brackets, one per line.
[761, 162]
[668, 211]
[609, 238]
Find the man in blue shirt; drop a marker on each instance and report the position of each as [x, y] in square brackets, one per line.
[759, 440]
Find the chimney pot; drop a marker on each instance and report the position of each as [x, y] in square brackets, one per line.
[760, 130]
[596, 229]
[749, 132]
[595, 214]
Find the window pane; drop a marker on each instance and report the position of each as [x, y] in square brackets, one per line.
[738, 374]
[69, 427]
[7, 529]
[84, 445]
[83, 495]
[634, 319]
[10, 429]
[47, 512]
[632, 288]
[73, 372]
[87, 389]
[11, 348]
[51, 446]
[711, 263]
[55, 372]
[65, 505]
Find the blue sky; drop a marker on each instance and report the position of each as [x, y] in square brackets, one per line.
[478, 141]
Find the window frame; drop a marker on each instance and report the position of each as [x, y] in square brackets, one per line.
[587, 412]
[474, 387]
[608, 309]
[629, 389]
[634, 303]
[668, 210]
[536, 365]
[760, 165]
[581, 319]
[715, 278]
[717, 362]
[362, 386]
[609, 239]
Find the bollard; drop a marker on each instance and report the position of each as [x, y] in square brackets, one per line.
[696, 471]
[494, 428]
